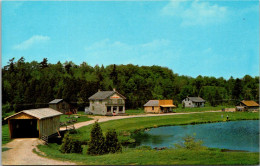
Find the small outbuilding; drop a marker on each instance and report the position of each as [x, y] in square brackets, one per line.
[159, 106]
[34, 123]
[247, 105]
[62, 106]
[193, 102]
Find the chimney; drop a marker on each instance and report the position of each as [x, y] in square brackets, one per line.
[114, 89]
[99, 90]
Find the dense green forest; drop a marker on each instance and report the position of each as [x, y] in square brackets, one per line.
[33, 84]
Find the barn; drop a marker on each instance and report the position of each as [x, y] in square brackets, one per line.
[34, 123]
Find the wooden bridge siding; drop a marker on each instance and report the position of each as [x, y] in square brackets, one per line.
[49, 126]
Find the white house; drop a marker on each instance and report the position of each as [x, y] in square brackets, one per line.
[193, 102]
[107, 103]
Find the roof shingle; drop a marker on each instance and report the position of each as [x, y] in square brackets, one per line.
[196, 99]
[55, 101]
[39, 113]
[250, 103]
[103, 95]
[152, 103]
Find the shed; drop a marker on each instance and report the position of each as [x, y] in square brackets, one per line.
[247, 105]
[61, 106]
[159, 106]
[34, 123]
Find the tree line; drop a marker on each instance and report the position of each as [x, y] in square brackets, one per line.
[33, 84]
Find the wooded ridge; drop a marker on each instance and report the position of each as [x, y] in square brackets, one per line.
[33, 84]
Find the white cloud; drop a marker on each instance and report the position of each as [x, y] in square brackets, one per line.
[36, 39]
[195, 12]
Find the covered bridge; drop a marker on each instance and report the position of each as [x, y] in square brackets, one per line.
[34, 123]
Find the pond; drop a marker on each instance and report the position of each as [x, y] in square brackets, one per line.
[234, 135]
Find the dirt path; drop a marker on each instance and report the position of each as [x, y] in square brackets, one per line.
[20, 153]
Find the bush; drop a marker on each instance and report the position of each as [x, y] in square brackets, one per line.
[97, 141]
[112, 144]
[70, 145]
[190, 143]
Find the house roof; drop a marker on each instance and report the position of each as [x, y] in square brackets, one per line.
[196, 99]
[103, 95]
[40, 113]
[250, 103]
[55, 101]
[152, 103]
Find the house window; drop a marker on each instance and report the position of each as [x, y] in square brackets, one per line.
[152, 108]
[93, 108]
[120, 108]
[100, 101]
[189, 103]
[108, 108]
[109, 101]
[120, 101]
[92, 101]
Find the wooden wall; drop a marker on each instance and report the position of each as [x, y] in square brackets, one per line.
[49, 126]
[149, 109]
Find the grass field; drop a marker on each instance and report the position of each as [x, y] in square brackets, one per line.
[177, 110]
[136, 156]
[81, 118]
[200, 109]
[135, 112]
[127, 126]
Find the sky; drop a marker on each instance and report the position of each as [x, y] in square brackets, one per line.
[208, 38]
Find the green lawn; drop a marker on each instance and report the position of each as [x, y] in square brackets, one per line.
[201, 109]
[127, 126]
[196, 109]
[137, 156]
[81, 118]
[5, 134]
[134, 112]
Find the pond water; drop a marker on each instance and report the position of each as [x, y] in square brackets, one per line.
[235, 135]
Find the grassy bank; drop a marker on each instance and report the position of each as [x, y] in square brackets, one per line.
[137, 156]
[152, 157]
[135, 112]
[180, 109]
[127, 126]
[200, 109]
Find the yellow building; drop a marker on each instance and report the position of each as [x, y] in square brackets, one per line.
[159, 106]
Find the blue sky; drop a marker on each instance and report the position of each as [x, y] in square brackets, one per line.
[208, 38]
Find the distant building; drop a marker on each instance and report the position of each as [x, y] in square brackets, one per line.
[193, 102]
[107, 103]
[60, 105]
[247, 105]
[159, 106]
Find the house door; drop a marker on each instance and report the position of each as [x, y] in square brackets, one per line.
[114, 109]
